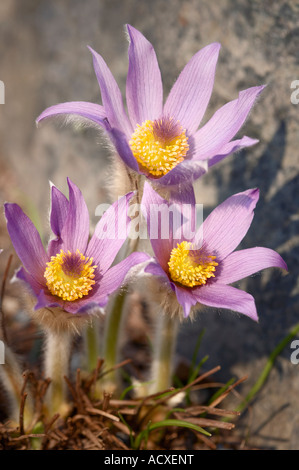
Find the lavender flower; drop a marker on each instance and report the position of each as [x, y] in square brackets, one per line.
[163, 142]
[198, 270]
[73, 274]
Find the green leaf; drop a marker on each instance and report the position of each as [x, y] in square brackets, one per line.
[221, 390]
[129, 428]
[267, 369]
[167, 423]
[196, 349]
[196, 370]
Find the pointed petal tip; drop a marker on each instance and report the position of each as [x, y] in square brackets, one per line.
[72, 185]
[131, 29]
[52, 185]
[251, 94]
[280, 263]
[247, 141]
[253, 193]
[8, 206]
[255, 318]
[93, 52]
[253, 142]
[186, 313]
[135, 36]
[258, 89]
[215, 45]
[285, 266]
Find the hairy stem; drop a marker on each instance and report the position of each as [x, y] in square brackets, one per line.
[162, 364]
[110, 382]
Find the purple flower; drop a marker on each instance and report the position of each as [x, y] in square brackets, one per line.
[74, 273]
[200, 267]
[164, 142]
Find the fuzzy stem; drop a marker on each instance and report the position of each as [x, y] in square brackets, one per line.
[57, 356]
[92, 342]
[110, 382]
[162, 364]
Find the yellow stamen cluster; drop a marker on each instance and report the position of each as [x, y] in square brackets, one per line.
[158, 154]
[67, 283]
[188, 267]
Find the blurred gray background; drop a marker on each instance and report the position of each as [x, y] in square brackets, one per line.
[44, 61]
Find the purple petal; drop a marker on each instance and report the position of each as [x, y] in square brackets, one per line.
[222, 296]
[190, 95]
[244, 263]
[153, 206]
[227, 225]
[232, 147]
[123, 149]
[58, 216]
[26, 241]
[111, 95]
[46, 300]
[224, 124]
[87, 303]
[144, 84]
[33, 284]
[186, 299]
[183, 198]
[155, 269]
[110, 234]
[86, 306]
[168, 223]
[115, 276]
[182, 194]
[75, 231]
[59, 210]
[91, 111]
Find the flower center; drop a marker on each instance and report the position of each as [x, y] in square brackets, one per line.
[159, 145]
[189, 267]
[70, 275]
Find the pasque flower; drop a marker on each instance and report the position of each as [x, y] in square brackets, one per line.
[74, 274]
[163, 142]
[200, 267]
